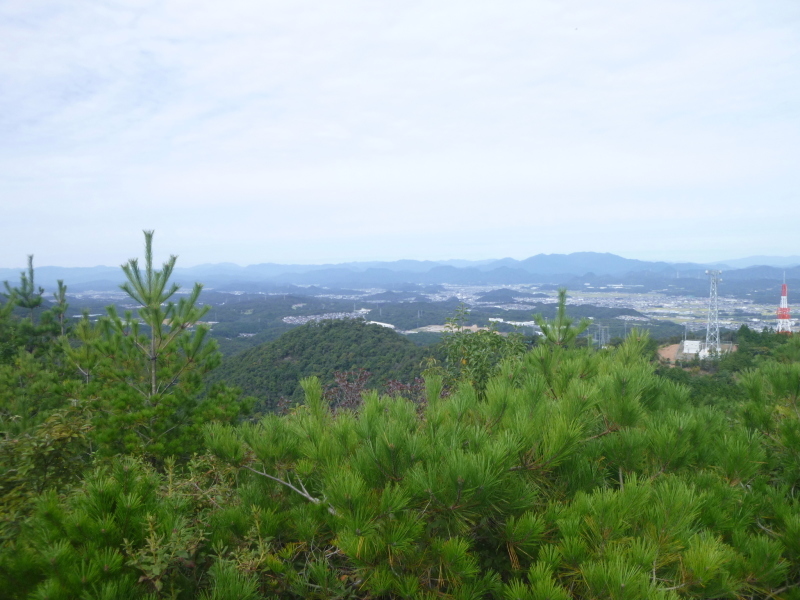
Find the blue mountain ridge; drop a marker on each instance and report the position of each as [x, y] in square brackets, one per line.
[541, 268]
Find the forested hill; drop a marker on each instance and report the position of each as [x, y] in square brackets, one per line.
[272, 370]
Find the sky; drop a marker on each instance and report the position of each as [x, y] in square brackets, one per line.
[254, 131]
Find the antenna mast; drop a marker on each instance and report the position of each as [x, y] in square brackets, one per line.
[712, 325]
[784, 322]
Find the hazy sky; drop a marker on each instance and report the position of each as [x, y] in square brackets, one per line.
[264, 131]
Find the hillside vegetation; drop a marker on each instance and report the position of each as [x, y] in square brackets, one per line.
[273, 370]
[558, 472]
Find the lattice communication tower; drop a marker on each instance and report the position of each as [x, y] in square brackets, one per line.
[784, 319]
[712, 325]
[603, 337]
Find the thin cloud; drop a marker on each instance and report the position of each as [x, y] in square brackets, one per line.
[254, 123]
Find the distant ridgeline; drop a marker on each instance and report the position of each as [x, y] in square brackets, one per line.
[272, 370]
[572, 270]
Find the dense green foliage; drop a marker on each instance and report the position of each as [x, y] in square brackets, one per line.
[142, 373]
[555, 472]
[474, 357]
[273, 370]
[127, 384]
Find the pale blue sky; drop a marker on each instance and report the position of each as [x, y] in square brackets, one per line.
[264, 131]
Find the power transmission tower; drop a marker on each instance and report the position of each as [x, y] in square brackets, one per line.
[712, 325]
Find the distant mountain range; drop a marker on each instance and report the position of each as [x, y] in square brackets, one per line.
[781, 262]
[540, 269]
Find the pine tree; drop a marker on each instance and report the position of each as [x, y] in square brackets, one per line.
[7, 329]
[560, 331]
[60, 306]
[26, 295]
[28, 334]
[145, 371]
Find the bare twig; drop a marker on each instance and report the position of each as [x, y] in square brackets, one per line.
[303, 492]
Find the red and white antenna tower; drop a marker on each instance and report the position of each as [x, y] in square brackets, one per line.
[784, 322]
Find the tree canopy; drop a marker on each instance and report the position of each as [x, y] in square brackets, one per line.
[273, 370]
